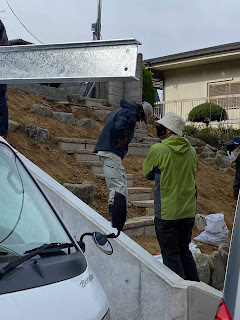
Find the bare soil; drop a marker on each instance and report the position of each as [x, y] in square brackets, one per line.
[215, 192]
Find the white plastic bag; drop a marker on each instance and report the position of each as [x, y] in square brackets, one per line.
[215, 222]
[159, 257]
[216, 232]
[193, 248]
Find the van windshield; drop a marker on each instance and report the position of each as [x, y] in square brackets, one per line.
[26, 218]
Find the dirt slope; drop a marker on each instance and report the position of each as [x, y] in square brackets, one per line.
[214, 187]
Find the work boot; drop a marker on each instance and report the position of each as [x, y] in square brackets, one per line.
[110, 208]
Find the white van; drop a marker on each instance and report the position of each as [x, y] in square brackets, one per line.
[43, 272]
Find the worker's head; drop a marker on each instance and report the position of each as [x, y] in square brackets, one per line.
[145, 111]
[233, 147]
[170, 123]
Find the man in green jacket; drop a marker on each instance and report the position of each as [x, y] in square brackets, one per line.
[172, 164]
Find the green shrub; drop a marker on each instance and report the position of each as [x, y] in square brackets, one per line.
[190, 131]
[207, 110]
[148, 92]
[216, 137]
[210, 136]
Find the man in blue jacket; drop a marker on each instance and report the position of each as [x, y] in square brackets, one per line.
[3, 88]
[112, 144]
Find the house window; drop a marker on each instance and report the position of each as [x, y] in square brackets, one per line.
[226, 94]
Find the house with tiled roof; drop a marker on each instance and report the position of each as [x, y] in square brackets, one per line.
[191, 78]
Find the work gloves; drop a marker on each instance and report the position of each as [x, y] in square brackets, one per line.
[117, 143]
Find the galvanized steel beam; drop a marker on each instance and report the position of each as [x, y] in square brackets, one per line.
[95, 61]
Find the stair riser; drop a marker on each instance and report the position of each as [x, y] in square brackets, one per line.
[140, 231]
[86, 157]
[139, 151]
[97, 170]
[139, 196]
[71, 147]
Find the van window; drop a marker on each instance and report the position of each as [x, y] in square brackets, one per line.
[26, 218]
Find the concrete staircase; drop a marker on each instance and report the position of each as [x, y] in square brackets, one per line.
[82, 149]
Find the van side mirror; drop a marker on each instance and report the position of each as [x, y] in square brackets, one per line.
[100, 240]
[102, 243]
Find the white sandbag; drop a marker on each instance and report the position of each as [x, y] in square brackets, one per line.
[215, 222]
[214, 239]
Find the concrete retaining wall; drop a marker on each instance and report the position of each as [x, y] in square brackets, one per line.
[137, 285]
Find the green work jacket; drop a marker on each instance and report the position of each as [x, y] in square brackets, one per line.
[173, 165]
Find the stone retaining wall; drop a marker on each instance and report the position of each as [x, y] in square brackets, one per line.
[211, 155]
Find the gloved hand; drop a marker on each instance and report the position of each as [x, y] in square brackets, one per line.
[117, 143]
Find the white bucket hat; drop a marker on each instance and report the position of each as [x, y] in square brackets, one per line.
[148, 110]
[173, 122]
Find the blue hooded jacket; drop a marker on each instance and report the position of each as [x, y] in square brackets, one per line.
[120, 126]
[3, 35]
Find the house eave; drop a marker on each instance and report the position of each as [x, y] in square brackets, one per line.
[196, 61]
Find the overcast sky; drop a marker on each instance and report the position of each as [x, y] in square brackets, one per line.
[163, 27]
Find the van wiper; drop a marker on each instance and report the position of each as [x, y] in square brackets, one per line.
[31, 253]
[60, 245]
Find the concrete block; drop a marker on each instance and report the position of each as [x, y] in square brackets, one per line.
[100, 115]
[218, 274]
[150, 231]
[114, 99]
[90, 144]
[86, 155]
[135, 232]
[116, 84]
[203, 267]
[95, 166]
[132, 92]
[12, 125]
[43, 111]
[93, 102]
[224, 250]
[84, 191]
[135, 194]
[116, 91]
[71, 147]
[36, 133]
[64, 117]
[87, 123]
[74, 98]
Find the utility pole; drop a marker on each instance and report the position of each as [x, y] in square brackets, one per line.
[96, 27]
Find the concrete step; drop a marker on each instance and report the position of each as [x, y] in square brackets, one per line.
[95, 166]
[140, 133]
[137, 194]
[73, 145]
[78, 99]
[86, 155]
[129, 179]
[139, 149]
[148, 204]
[139, 226]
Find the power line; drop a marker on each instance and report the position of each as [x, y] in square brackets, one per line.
[23, 24]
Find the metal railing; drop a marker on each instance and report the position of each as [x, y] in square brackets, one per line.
[182, 107]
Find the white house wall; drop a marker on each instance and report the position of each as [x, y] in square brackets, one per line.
[191, 82]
